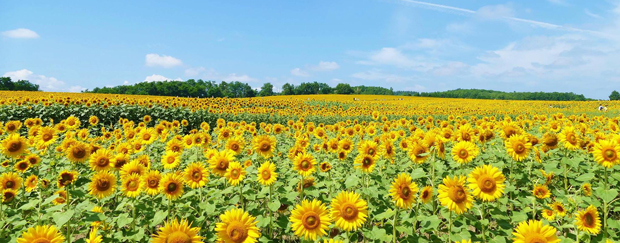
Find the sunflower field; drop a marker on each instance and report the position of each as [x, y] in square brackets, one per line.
[320, 168]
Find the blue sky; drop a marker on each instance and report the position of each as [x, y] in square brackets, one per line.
[434, 45]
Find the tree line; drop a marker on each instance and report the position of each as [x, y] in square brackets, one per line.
[22, 85]
[202, 89]
[497, 95]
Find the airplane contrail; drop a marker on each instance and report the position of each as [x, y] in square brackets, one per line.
[528, 21]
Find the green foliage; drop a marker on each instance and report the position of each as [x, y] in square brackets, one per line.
[614, 95]
[189, 88]
[497, 95]
[23, 85]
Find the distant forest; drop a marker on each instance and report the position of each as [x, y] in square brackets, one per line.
[204, 89]
[22, 85]
[200, 88]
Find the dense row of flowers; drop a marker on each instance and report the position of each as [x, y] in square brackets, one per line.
[456, 178]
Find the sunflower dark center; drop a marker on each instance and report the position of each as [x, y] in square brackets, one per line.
[487, 184]
[103, 162]
[79, 152]
[153, 183]
[311, 220]
[196, 175]
[178, 237]
[102, 184]
[266, 174]
[235, 147]
[172, 187]
[405, 192]
[609, 154]
[14, 146]
[463, 154]
[235, 173]
[457, 194]
[519, 148]
[9, 184]
[305, 165]
[46, 137]
[237, 232]
[588, 220]
[349, 211]
[367, 162]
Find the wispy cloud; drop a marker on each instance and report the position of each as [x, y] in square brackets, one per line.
[593, 15]
[447, 8]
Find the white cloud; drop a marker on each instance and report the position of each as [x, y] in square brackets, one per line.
[20, 33]
[44, 82]
[378, 75]
[325, 66]
[76, 89]
[451, 68]
[155, 60]
[240, 78]
[415, 87]
[126, 82]
[157, 77]
[300, 73]
[593, 15]
[495, 11]
[395, 57]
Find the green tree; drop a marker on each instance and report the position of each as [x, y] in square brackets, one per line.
[614, 95]
[288, 89]
[266, 90]
[344, 89]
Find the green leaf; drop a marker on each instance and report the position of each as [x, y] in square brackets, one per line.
[61, 218]
[585, 177]
[418, 173]
[352, 181]
[385, 215]
[29, 205]
[158, 218]
[274, 206]
[50, 199]
[123, 219]
[607, 195]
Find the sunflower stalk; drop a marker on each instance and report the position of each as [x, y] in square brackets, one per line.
[394, 226]
[482, 217]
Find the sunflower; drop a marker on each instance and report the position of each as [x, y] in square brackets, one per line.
[14, 145]
[93, 120]
[403, 191]
[219, 162]
[33, 159]
[548, 214]
[558, 209]
[237, 226]
[541, 191]
[534, 231]
[310, 219]
[486, 183]
[464, 152]
[267, 174]
[120, 160]
[171, 159]
[13, 126]
[78, 152]
[586, 188]
[454, 196]
[550, 141]
[235, 144]
[235, 173]
[171, 185]
[147, 136]
[518, 147]
[369, 148]
[73, 122]
[130, 185]
[264, 145]
[606, 153]
[196, 175]
[66, 178]
[133, 167]
[150, 182]
[349, 211]
[31, 182]
[8, 195]
[418, 152]
[45, 233]
[102, 159]
[365, 162]
[304, 164]
[325, 167]
[569, 138]
[62, 197]
[177, 231]
[22, 166]
[93, 237]
[175, 146]
[426, 195]
[102, 184]
[588, 220]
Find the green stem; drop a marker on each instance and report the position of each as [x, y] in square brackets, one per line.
[450, 227]
[241, 195]
[394, 226]
[577, 235]
[605, 208]
[301, 185]
[484, 213]
[68, 201]
[270, 213]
